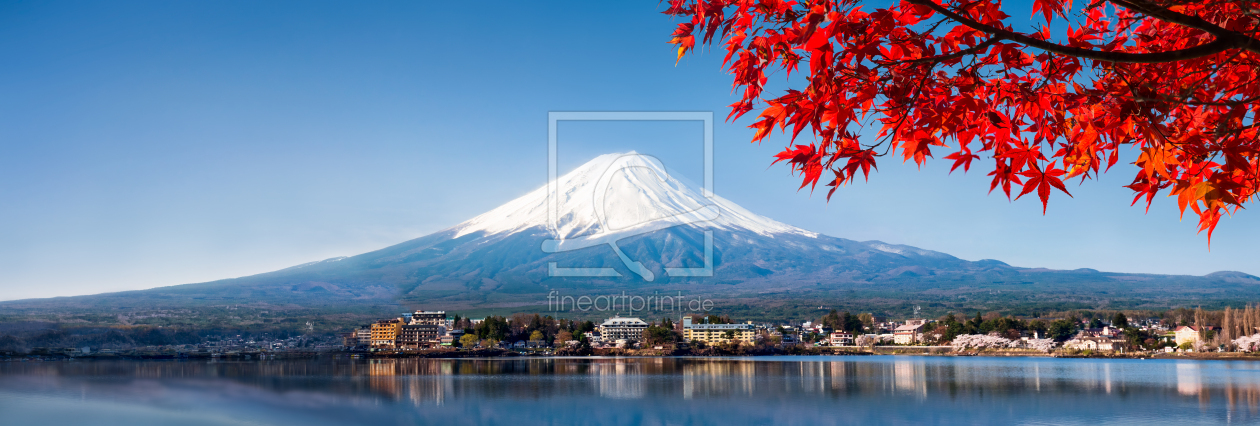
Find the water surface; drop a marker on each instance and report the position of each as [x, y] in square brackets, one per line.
[631, 391]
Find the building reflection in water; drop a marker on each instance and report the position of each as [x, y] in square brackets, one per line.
[718, 379]
[1107, 377]
[440, 382]
[1036, 376]
[910, 376]
[1188, 379]
[415, 380]
[1238, 394]
[620, 379]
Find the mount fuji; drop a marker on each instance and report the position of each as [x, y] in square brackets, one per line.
[626, 219]
[623, 210]
[654, 221]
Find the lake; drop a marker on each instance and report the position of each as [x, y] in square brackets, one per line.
[632, 391]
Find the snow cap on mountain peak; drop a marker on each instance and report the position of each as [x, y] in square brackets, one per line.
[622, 193]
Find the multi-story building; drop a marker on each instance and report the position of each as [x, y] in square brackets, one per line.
[1188, 334]
[618, 328]
[417, 336]
[364, 335]
[385, 333]
[717, 333]
[841, 338]
[428, 318]
[910, 333]
[450, 337]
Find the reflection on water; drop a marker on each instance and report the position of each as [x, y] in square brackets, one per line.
[782, 390]
[1188, 379]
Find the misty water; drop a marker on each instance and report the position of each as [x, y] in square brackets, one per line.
[631, 391]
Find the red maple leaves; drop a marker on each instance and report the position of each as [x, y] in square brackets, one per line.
[1177, 80]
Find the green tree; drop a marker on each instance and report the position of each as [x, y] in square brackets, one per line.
[975, 325]
[586, 326]
[468, 340]
[831, 320]
[495, 328]
[1120, 321]
[953, 328]
[536, 336]
[1040, 327]
[657, 335]
[851, 323]
[1061, 330]
[1137, 338]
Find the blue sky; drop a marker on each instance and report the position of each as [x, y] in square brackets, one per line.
[159, 143]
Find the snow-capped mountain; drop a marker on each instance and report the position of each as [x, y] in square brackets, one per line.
[626, 217]
[621, 215]
[624, 214]
[622, 194]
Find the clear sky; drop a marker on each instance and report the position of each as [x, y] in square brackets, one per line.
[157, 143]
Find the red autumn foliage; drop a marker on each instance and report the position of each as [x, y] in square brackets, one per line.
[1176, 80]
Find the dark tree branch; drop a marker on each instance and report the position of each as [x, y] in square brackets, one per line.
[1163, 14]
[1217, 46]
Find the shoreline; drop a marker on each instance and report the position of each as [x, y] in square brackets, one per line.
[648, 353]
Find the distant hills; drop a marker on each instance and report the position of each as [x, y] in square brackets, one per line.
[496, 262]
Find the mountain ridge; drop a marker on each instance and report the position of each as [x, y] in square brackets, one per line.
[626, 212]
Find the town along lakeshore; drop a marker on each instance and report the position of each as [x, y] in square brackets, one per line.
[437, 334]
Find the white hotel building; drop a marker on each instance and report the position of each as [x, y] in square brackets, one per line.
[618, 328]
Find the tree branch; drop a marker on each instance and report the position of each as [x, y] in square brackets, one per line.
[1195, 22]
[1217, 46]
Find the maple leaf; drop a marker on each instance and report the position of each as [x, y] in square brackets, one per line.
[683, 38]
[802, 159]
[1175, 83]
[962, 158]
[1048, 8]
[1041, 181]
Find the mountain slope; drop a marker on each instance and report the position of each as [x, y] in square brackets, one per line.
[505, 250]
[502, 259]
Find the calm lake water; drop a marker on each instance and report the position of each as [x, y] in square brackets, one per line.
[632, 391]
